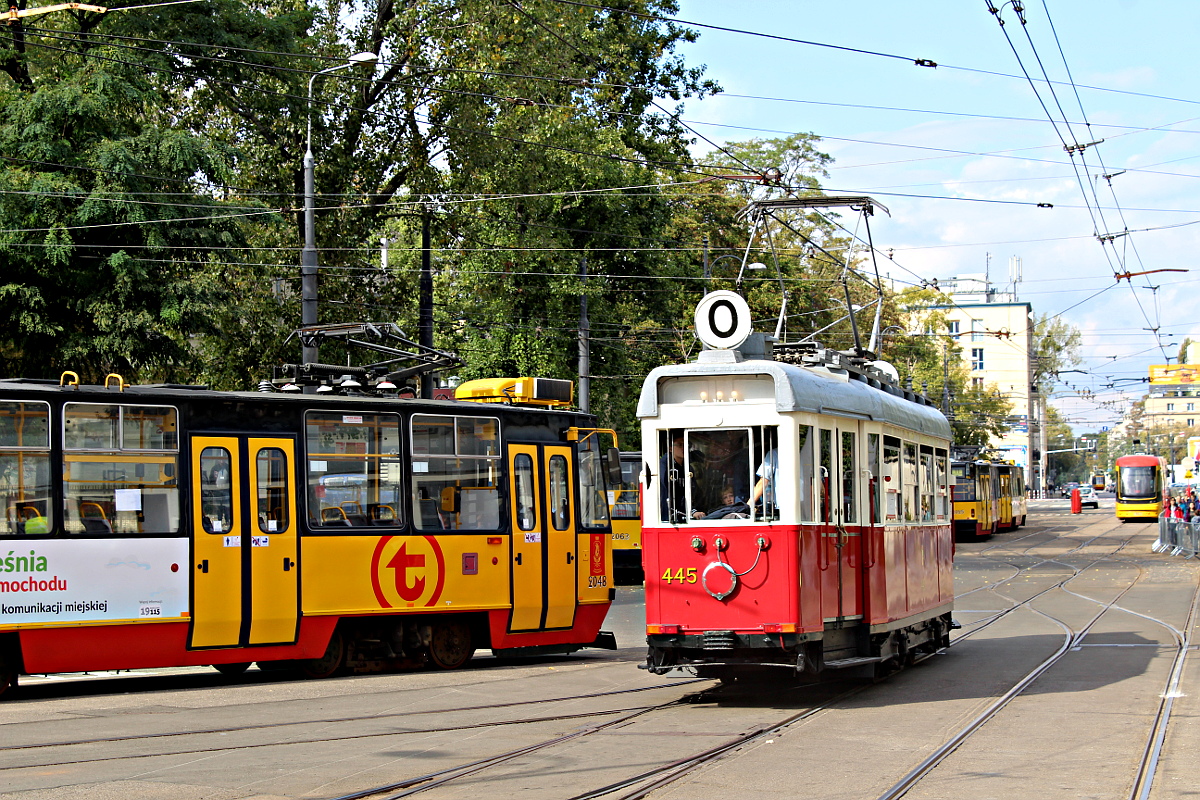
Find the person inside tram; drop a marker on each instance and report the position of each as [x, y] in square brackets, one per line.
[730, 508]
[673, 473]
[764, 488]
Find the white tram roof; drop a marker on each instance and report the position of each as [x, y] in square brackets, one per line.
[816, 390]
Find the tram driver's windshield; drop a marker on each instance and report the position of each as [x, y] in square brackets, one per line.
[717, 474]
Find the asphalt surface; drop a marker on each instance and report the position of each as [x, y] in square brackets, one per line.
[1082, 585]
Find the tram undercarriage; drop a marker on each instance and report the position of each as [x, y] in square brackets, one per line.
[723, 654]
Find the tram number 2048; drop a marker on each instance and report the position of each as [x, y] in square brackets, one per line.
[597, 581]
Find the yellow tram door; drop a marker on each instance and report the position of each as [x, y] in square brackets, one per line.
[543, 530]
[216, 542]
[561, 570]
[245, 581]
[274, 577]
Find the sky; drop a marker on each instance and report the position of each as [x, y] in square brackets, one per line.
[962, 157]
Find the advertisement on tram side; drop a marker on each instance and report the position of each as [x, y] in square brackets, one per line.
[72, 582]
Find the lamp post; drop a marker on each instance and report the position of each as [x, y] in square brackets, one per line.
[308, 256]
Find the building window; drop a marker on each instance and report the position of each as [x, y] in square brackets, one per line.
[978, 382]
[1191, 421]
[952, 326]
[977, 330]
[1170, 406]
[1170, 421]
[977, 358]
[1191, 406]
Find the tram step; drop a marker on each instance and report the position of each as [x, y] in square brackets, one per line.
[843, 663]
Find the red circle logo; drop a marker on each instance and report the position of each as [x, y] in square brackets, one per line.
[408, 571]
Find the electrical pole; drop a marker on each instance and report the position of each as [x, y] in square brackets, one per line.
[425, 303]
[585, 382]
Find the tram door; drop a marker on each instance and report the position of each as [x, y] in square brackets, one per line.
[839, 459]
[543, 529]
[245, 581]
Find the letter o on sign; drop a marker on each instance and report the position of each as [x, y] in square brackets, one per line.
[723, 320]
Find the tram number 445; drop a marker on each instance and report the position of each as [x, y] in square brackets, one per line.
[682, 575]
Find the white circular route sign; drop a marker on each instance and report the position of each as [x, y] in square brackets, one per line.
[723, 320]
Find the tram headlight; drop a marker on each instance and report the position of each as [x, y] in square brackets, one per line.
[697, 544]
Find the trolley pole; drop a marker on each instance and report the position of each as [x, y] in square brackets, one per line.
[585, 383]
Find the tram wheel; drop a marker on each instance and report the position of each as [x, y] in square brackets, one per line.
[329, 664]
[232, 670]
[450, 645]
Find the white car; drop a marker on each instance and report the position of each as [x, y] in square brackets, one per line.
[1087, 497]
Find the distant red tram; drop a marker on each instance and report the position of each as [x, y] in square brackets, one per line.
[796, 516]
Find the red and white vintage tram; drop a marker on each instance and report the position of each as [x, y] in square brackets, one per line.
[796, 515]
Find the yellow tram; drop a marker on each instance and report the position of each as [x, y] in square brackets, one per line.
[1140, 483]
[152, 526]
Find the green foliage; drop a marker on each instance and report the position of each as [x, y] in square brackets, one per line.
[1056, 349]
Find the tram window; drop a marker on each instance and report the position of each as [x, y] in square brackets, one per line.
[478, 436]
[804, 477]
[891, 478]
[25, 469]
[273, 494]
[526, 503]
[874, 483]
[928, 484]
[766, 486]
[593, 500]
[943, 489]
[720, 474]
[849, 479]
[627, 497]
[560, 494]
[825, 476]
[911, 485]
[216, 490]
[95, 426]
[120, 469]
[456, 464]
[354, 470]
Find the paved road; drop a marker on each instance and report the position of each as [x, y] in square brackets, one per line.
[1083, 588]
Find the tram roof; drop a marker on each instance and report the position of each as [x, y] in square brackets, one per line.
[817, 391]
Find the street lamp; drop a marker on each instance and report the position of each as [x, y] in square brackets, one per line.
[308, 256]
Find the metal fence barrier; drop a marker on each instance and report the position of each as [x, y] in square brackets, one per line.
[1178, 537]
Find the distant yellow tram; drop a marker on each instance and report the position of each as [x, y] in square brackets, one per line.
[1140, 483]
[976, 506]
[988, 497]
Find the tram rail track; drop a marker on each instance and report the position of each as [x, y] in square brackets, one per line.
[336, 720]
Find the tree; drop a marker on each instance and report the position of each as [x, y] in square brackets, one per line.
[1055, 349]
[110, 211]
[1064, 466]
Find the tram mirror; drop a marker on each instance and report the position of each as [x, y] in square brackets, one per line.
[613, 458]
[451, 499]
